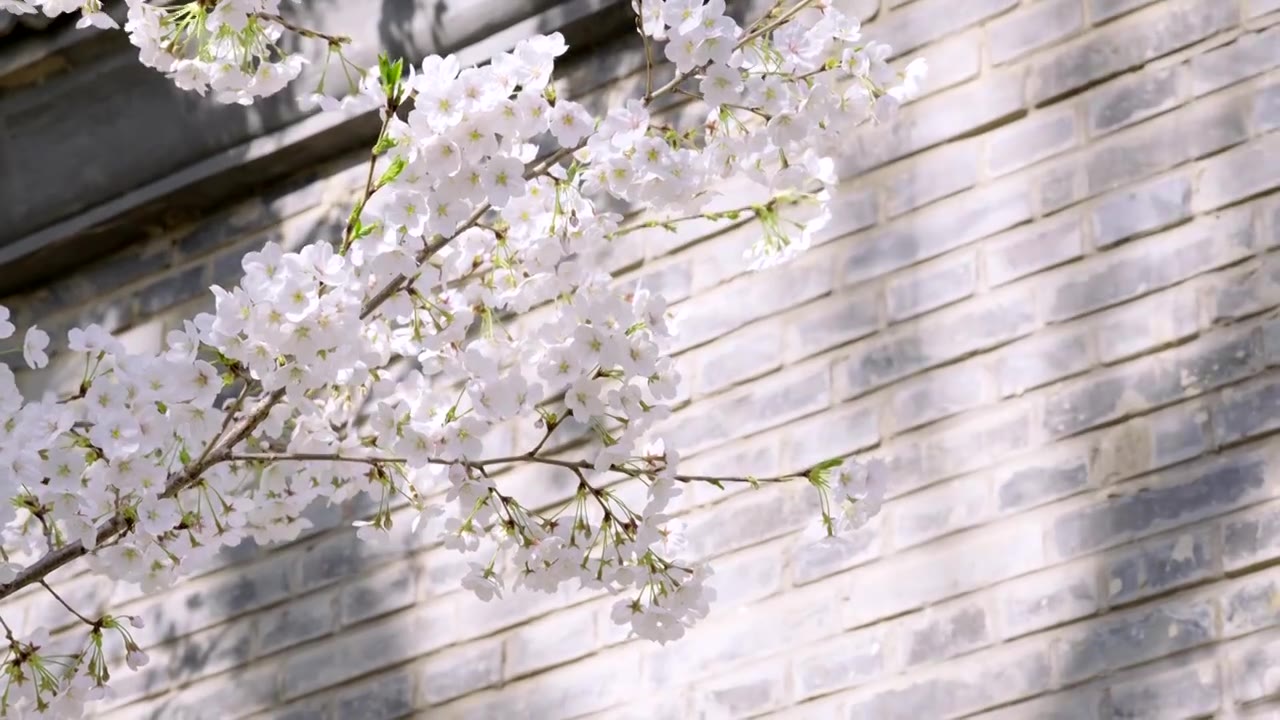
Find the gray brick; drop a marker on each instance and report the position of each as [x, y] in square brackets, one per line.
[172, 290]
[977, 559]
[1252, 537]
[457, 671]
[1257, 8]
[939, 395]
[386, 697]
[1247, 412]
[1128, 43]
[1271, 342]
[1043, 359]
[558, 638]
[295, 622]
[784, 396]
[1040, 136]
[978, 443]
[936, 119]
[931, 176]
[1251, 668]
[211, 651]
[1179, 433]
[1177, 501]
[1249, 55]
[1204, 127]
[932, 286]
[1040, 480]
[835, 433]
[814, 562]
[384, 591]
[1174, 256]
[750, 518]
[1251, 603]
[938, 634]
[1151, 382]
[1029, 250]
[1184, 692]
[852, 209]
[987, 683]
[752, 297]
[1061, 186]
[952, 61]
[942, 227]
[1048, 598]
[1033, 27]
[1128, 639]
[1240, 173]
[1076, 704]
[1239, 295]
[1131, 99]
[830, 322]
[1159, 566]
[740, 578]
[1101, 10]
[989, 322]
[847, 661]
[924, 21]
[737, 357]
[746, 691]
[1147, 208]
[672, 280]
[1146, 324]
[940, 510]
[1266, 107]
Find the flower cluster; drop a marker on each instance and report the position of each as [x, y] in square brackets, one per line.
[465, 293]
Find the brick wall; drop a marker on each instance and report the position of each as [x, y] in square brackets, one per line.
[1048, 296]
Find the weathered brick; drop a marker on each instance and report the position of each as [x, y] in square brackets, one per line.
[179, 287]
[830, 322]
[1241, 294]
[1251, 603]
[938, 229]
[846, 661]
[1127, 43]
[924, 21]
[940, 510]
[1147, 324]
[457, 671]
[931, 176]
[1238, 174]
[1062, 185]
[1033, 27]
[1205, 127]
[295, 622]
[385, 697]
[932, 286]
[952, 61]
[741, 578]
[752, 297]
[575, 690]
[1040, 136]
[1131, 99]
[384, 591]
[1080, 703]
[1184, 692]
[736, 357]
[367, 648]
[1144, 209]
[1043, 359]
[852, 209]
[1123, 640]
[744, 692]
[1100, 10]
[773, 401]
[989, 322]
[750, 518]
[1249, 55]
[1246, 412]
[940, 394]
[810, 562]
[1028, 250]
[1252, 537]
[934, 120]
[994, 679]
[1156, 567]
[978, 443]
[973, 560]
[1158, 262]
[553, 640]
[832, 434]
[1257, 8]
[1266, 108]
[941, 633]
[1253, 668]
[1048, 476]
[1179, 433]
[1169, 503]
[1048, 598]
[212, 651]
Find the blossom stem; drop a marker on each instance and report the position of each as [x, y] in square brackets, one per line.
[333, 40]
[67, 605]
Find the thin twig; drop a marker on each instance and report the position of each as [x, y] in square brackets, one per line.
[333, 40]
[67, 605]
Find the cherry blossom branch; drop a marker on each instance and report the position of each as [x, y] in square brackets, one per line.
[333, 40]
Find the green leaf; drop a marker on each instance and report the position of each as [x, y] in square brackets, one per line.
[393, 171]
[184, 456]
[716, 482]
